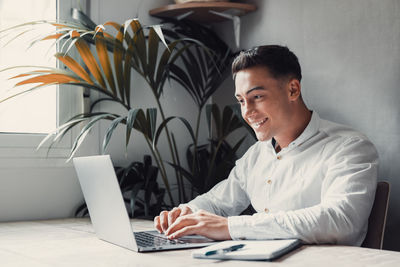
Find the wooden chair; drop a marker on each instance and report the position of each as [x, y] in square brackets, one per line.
[377, 218]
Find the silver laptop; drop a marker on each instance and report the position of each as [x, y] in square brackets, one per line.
[109, 215]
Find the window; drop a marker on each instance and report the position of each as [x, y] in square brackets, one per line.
[35, 112]
[27, 119]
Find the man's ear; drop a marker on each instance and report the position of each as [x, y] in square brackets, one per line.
[294, 89]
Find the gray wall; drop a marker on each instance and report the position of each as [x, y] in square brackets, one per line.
[350, 56]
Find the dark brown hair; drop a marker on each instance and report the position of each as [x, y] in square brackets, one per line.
[279, 60]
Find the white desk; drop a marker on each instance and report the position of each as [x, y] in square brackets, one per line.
[72, 242]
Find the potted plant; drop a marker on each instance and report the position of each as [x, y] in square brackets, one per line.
[146, 51]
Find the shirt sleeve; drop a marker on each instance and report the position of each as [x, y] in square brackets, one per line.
[347, 195]
[228, 197]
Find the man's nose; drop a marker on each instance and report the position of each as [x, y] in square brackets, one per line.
[247, 109]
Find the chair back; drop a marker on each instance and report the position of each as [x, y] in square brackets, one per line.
[377, 218]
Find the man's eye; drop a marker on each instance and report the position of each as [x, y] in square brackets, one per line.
[240, 101]
[257, 96]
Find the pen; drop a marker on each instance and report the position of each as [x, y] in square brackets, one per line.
[224, 250]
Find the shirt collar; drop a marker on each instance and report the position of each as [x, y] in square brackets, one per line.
[311, 129]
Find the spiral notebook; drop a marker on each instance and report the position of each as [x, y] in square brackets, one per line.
[252, 249]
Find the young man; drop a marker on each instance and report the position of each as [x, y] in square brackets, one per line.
[307, 178]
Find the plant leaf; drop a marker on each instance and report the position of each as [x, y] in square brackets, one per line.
[102, 53]
[151, 115]
[49, 79]
[162, 63]
[120, 28]
[90, 61]
[181, 77]
[59, 129]
[129, 123]
[97, 101]
[158, 30]
[152, 53]
[85, 131]
[184, 172]
[71, 43]
[74, 66]
[94, 87]
[54, 36]
[135, 191]
[166, 121]
[140, 42]
[118, 55]
[127, 71]
[110, 131]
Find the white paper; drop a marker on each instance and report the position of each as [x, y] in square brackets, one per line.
[253, 249]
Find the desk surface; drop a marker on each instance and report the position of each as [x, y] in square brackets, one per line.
[72, 242]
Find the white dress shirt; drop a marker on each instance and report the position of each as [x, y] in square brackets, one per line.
[319, 189]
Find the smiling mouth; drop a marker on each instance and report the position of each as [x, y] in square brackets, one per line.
[258, 124]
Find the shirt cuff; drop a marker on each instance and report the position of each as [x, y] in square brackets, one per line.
[237, 226]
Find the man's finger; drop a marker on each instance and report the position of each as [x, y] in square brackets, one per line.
[185, 210]
[173, 214]
[157, 224]
[164, 220]
[188, 230]
[179, 223]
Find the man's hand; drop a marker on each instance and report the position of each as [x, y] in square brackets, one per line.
[200, 223]
[167, 218]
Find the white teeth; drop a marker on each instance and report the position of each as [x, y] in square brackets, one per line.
[259, 123]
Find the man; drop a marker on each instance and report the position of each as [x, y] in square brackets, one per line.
[307, 178]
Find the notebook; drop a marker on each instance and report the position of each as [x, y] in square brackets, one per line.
[252, 249]
[109, 215]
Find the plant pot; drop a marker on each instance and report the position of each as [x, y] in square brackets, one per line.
[187, 1]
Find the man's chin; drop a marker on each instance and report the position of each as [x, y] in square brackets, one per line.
[263, 137]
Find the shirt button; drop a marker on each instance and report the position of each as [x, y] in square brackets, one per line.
[279, 157]
[266, 210]
[269, 181]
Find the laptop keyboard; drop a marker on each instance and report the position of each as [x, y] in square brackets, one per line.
[145, 239]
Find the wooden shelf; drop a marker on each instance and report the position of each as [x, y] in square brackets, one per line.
[201, 10]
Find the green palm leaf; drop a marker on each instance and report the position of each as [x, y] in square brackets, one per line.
[118, 57]
[164, 124]
[97, 101]
[151, 116]
[127, 70]
[85, 131]
[153, 41]
[130, 120]
[60, 129]
[110, 131]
